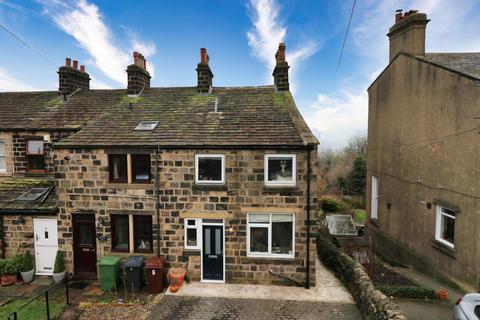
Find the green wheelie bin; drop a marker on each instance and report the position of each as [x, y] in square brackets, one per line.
[109, 270]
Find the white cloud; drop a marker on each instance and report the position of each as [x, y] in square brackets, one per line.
[268, 31]
[84, 22]
[9, 82]
[335, 118]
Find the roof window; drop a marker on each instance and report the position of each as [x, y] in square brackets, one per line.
[34, 194]
[146, 125]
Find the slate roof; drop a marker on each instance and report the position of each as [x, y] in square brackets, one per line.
[12, 188]
[246, 116]
[467, 63]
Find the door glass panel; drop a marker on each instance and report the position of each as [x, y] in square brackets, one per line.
[86, 235]
[258, 239]
[207, 241]
[218, 238]
[46, 234]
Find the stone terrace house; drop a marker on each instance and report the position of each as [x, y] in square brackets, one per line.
[224, 177]
[423, 199]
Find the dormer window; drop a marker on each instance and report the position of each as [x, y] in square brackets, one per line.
[35, 156]
[280, 170]
[209, 169]
[146, 126]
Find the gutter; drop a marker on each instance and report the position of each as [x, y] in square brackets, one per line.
[2, 238]
[157, 204]
[307, 282]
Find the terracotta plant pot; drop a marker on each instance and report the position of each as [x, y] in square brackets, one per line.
[175, 278]
[8, 279]
[442, 294]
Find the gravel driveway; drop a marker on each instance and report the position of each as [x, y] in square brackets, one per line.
[188, 307]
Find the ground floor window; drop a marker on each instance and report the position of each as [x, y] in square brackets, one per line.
[192, 233]
[271, 235]
[131, 232]
[445, 226]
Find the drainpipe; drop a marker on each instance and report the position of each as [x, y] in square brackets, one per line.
[2, 238]
[157, 191]
[307, 282]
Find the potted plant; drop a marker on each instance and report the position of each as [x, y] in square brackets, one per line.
[9, 269]
[26, 267]
[59, 268]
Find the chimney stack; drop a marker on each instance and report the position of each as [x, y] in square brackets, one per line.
[280, 73]
[71, 79]
[408, 33]
[204, 74]
[138, 76]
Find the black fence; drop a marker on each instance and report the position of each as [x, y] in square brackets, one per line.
[48, 303]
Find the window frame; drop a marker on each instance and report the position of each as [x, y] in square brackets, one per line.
[113, 232]
[111, 156]
[198, 157]
[438, 226]
[198, 227]
[269, 226]
[132, 161]
[29, 155]
[4, 156]
[148, 218]
[292, 183]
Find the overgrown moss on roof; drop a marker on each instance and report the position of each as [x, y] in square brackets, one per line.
[12, 188]
[24, 183]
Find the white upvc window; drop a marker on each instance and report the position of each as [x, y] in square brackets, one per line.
[209, 168]
[3, 162]
[193, 228]
[280, 169]
[271, 235]
[445, 226]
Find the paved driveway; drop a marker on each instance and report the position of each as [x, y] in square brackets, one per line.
[188, 307]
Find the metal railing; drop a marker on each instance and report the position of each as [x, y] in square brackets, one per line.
[44, 294]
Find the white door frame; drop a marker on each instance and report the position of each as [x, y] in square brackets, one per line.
[374, 197]
[35, 245]
[201, 249]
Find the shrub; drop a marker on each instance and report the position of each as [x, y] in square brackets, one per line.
[9, 266]
[59, 263]
[356, 202]
[331, 204]
[27, 262]
[409, 292]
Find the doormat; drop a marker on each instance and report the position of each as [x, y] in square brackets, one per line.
[79, 285]
[43, 281]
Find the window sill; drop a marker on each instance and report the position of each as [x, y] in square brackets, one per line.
[191, 252]
[451, 252]
[269, 260]
[35, 173]
[209, 187]
[119, 185]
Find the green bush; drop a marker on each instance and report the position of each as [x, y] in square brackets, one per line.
[9, 266]
[331, 204]
[356, 202]
[26, 262]
[409, 292]
[59, 263]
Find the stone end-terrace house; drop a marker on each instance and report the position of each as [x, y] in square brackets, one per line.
[423, 190]
[223, 176]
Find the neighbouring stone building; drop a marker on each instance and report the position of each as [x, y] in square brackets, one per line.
[423, 201]
[229, 172]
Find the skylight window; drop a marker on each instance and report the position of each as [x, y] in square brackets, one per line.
[146, 125]
[34, 194]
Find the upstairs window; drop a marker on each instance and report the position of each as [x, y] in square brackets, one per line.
[280, 170]
[210, 168]
[445, 226]
[141, 168]
[117, 164]
[35, 156]
[3, 163]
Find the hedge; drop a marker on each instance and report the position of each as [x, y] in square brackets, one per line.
[409, 292]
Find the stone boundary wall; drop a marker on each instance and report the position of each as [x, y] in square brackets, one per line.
[372, 303]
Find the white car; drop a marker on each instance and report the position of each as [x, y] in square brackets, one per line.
[467, 307]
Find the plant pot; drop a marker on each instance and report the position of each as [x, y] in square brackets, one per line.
[442, 294]
[27, 276]
[8, 279]
[57, 277]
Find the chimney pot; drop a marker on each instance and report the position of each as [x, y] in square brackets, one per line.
[68, 62]
[138, 76]
[203, 56]
[70, 79]
[82, 68]
[280, 73]
[204, 73]
[398, 15]
[75, 64]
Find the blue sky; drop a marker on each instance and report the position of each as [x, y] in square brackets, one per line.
[241, 38]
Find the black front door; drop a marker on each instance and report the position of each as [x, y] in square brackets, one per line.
[212, 252]
[84, 246]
